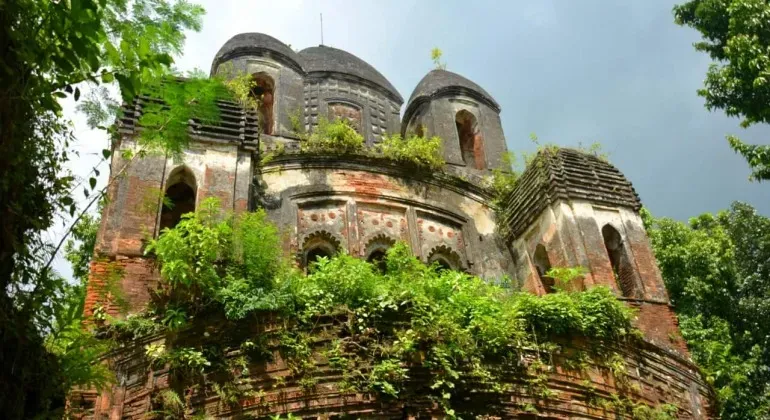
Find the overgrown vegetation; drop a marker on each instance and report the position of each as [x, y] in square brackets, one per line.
[435, 56]
[333, 137]
[717, 272]
[51, 51]
[421, 151]
[338, 137]
[384, 330]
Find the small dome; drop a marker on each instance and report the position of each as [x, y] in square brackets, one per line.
[438, 82]
[254, 42]
[328, 59]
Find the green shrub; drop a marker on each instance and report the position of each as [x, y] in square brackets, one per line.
[333, 137]
[418, 150]
[471, 335]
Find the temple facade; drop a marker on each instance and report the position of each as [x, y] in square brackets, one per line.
[569, 209]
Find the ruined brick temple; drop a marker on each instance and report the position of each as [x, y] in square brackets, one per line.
[571, 209]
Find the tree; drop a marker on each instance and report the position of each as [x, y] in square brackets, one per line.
[48, 49]
[737, 36]
[717, 271]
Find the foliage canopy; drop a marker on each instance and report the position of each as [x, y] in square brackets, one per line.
[50, 50]
[717, 271]
[737, 36]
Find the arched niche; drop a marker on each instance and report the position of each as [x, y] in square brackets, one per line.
[471, 140]
[377, 249]
[179, 197]
[318, 245]
[263, 90]
[543, 265]
[621, 265]
[346, 111]
[445, 259]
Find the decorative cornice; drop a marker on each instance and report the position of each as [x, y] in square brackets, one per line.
[564, 174]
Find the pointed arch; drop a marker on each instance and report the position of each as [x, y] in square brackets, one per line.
[543, 265]
[471, 140]
[263, 91]
[179, 197]
[621, 265]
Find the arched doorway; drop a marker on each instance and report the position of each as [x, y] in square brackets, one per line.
[318, 245]
[621, 266]
[264, 92]
[543, 265]
[179, 197]
[471, 141]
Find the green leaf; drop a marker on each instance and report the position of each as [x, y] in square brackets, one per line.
[106, 153]
[92, 182]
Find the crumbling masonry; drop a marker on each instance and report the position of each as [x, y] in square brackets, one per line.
[569, 209]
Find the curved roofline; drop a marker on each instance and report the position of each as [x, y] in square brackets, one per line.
[365, 73]
[249, 43]
[453, 85]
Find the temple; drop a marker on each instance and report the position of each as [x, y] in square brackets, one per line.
[568, 209]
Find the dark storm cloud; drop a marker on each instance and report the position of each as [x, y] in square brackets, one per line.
[618, 72]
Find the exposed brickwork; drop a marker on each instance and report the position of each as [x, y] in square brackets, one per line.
[120, 281]
[130, 216]
[660, 325]
[359, 204]
[654, 377]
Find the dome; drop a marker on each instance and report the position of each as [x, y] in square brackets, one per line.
[438, 82]
[328, 59]
[254, 42]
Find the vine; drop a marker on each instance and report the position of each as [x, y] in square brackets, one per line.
[386, 331]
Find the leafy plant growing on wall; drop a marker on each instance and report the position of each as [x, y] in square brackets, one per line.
[333, 137]
[421, 151]
[384, 326]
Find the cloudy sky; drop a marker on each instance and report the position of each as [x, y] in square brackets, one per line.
[571, 71]
[618, 72]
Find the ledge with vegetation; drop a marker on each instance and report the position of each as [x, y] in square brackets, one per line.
[380, 327]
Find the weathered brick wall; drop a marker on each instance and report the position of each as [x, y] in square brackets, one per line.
[654, 377]
[131, 215]
[120, 285]
[365, 201]
[571, 234]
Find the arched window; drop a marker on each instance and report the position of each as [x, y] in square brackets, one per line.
[376, 250]
[543, 265]
[471, 141]
[179, 197]
[445, 258]
[377, 259]
[621, 267]
[264, 92]
[318, 245]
